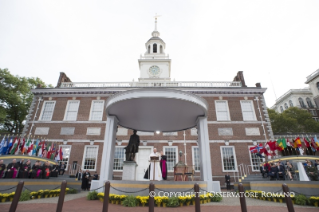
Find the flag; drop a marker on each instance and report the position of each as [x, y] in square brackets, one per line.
[272, 145]
[314, 144]
[255, 149]
[17, 147]
[280, 145]
[9, 146]
[13, 146]
[297, 142]
[29, 147]
[61, 153]
[35, 146]
[2, 144]
[306, 142]
[5, 147]
[284, 143]
[316, 141]
[288, 143]
[23, 146]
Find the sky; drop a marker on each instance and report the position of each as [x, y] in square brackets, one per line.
[274, 42]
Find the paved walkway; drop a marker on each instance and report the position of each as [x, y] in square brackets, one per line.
[78, 203]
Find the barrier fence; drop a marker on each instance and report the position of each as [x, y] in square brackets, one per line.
[151, 204]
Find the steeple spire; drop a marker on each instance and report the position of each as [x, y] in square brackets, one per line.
[155, 33]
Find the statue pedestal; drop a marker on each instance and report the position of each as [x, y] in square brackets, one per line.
[129, 170]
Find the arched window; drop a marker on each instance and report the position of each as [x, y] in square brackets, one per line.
[149, 49]
[286, 106]
[161, 49]
[309, 103]
[281, 109]
[318, 85]
[302, 104]
[154, 48]
[290, 103]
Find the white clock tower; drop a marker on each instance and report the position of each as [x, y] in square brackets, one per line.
[155, 64]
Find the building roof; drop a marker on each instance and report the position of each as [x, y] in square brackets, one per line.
[312, 76]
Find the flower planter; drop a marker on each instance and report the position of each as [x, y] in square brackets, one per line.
[280, 200]
[275, 200]
[293, 201]
[11, 199]
[164, 205]
[112, 201]
[188, 203]
[101, 199]
[268, 198]
[46, 196]
[51, 195]
[3, 199]
[158, 204]
[143, 204]
[116, 202]
[181, 204]
[193, 202]
[39, 196]
[138, 204]
[316, 204]
[201, 202]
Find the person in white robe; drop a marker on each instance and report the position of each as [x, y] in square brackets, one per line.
[158, 173]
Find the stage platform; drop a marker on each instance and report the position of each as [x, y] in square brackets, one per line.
[308, 188]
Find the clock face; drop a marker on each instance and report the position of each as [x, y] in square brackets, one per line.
[154, 70]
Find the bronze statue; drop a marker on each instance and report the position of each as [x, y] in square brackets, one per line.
[132, 147]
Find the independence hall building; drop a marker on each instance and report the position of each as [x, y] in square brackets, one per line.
[75, 115]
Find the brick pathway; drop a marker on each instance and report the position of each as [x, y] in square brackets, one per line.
[83, 205]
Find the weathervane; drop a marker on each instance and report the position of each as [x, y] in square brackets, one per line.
[156, 16]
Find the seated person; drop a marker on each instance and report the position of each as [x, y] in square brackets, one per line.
[46, 170]
[36, 170]
[263, 170]
[2, 168]
[12, 169]
[55, 170]
[312, 172]
[24, 169]
[273, 171]
[62, 168]
[290, 170]
[95, 176]
[281, 171]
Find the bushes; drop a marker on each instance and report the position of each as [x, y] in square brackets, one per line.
[301, 199]
[72, 191]
[129, 201]
[25, 195]
[172, 202]
[92, 195]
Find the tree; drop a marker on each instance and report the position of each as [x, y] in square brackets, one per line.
[15, 100]
[293, 120]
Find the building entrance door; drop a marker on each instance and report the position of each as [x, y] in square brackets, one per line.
[142, 158]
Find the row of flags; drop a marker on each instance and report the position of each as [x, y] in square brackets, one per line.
[281, 144]
[35, 147]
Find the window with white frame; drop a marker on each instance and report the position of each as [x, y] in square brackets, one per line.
[47, 110]
[247, 108]
[119, 157]
[90, 157]
[222, 111]
[196, 159]
[171, 153]
[228, 158]
[66, 151]
[313, 112]
[71, 111]
[97, 110]
[254, 161]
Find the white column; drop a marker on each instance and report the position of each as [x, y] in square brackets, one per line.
[106, 170]
[205, 156]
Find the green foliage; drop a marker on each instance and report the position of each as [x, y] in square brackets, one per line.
[293, 120]
[216, 198]
[301, 199]
[72, 191]
[15, 100]
[129, 201]
[172, 202]
[25, 195]
[92, 195]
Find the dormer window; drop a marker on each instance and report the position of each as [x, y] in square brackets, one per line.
[154, 48]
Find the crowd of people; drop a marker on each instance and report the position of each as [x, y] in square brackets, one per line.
[279, 170]
[24, 169]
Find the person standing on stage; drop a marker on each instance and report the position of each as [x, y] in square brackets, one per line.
[163, 165]
[154, 171]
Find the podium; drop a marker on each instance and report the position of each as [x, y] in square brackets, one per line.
[153, 159]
